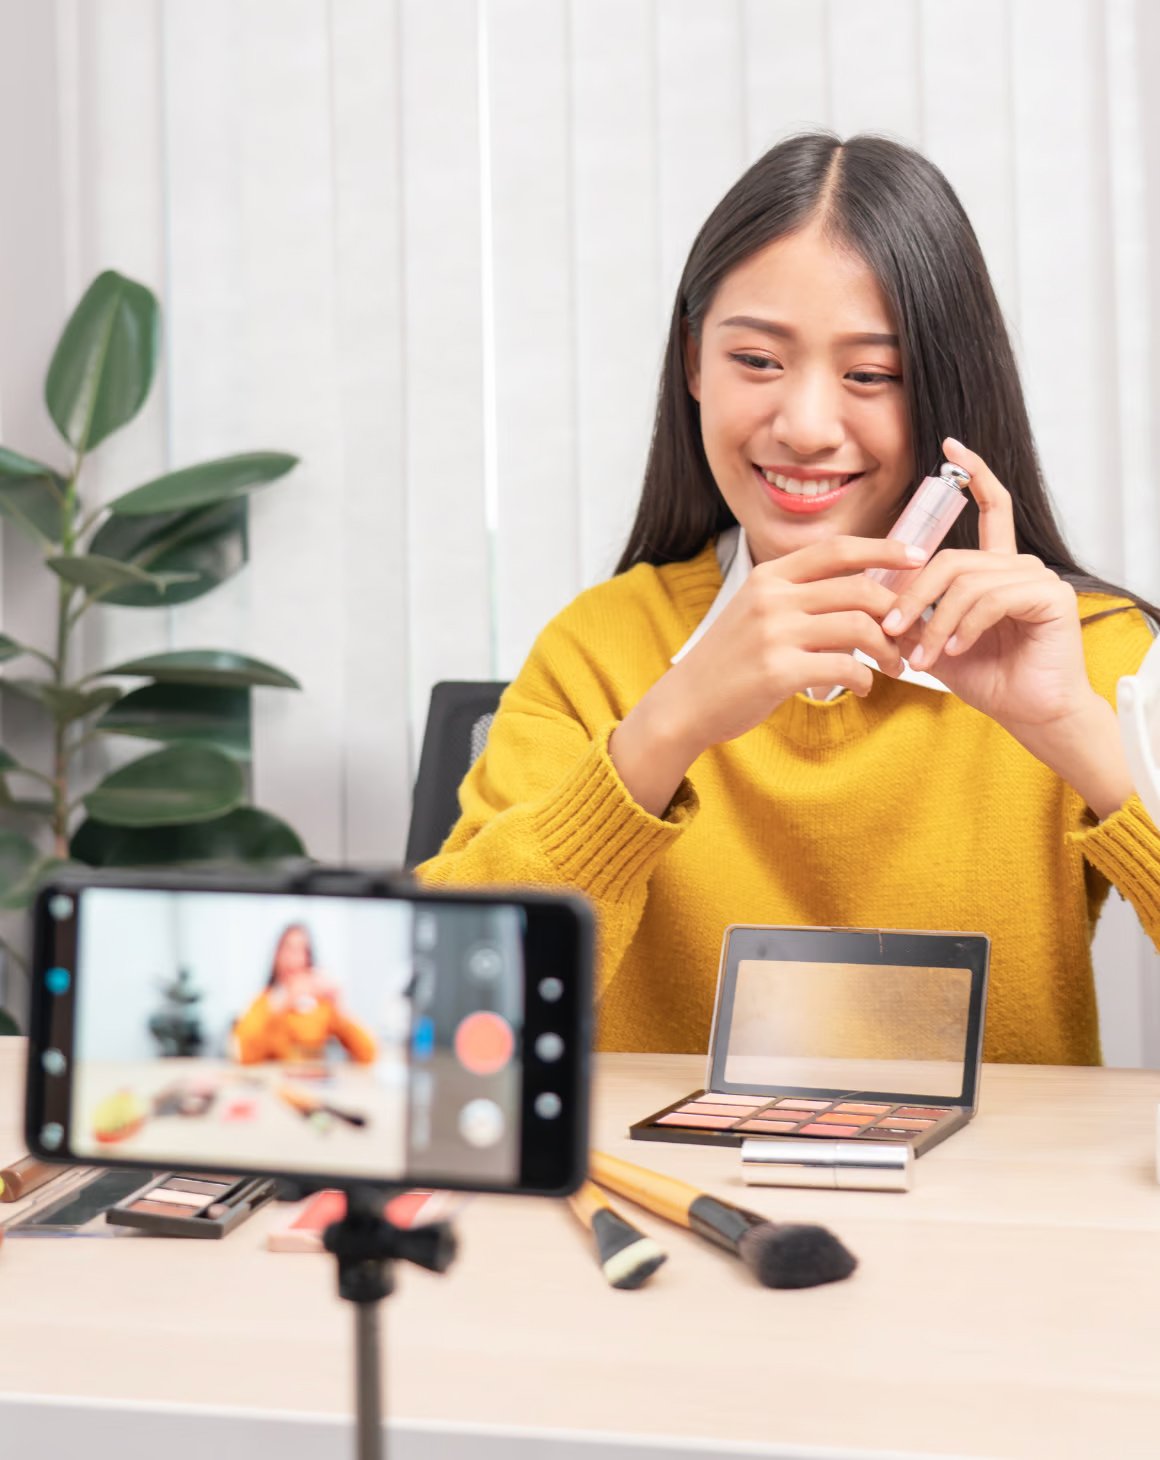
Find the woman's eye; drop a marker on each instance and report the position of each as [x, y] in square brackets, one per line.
[872, 377]
[756, 362]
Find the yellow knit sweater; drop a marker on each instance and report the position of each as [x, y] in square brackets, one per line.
[904, 810]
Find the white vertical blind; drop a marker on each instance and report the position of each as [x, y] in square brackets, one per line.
[432, 249]
[528, 221]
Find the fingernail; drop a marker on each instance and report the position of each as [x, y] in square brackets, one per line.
[918, 656]
[915, 554]
[952, 645]
[892, 620]
[950, 441]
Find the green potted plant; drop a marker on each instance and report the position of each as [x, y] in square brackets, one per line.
[162, 543]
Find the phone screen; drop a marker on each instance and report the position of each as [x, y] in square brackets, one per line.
[367, 1037]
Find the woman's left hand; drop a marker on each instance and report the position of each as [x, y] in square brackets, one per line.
[1005, 633]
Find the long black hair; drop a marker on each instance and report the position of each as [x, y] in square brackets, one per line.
[282, 936]
[897, 211]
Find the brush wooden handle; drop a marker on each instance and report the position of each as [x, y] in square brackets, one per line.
[664, 1195]
[586, 1202]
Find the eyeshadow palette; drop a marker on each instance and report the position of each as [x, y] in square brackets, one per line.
[862, 1035]
[710, 1118]
[192, 1206]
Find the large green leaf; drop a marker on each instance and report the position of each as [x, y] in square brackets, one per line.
[244, 835]
[32, 495]
[64, 702]
[198, 486]
[206, 666]
[209, 545]
[17, 858]
[103, 366]
[98, 575]
[178, 784]
[202, 714]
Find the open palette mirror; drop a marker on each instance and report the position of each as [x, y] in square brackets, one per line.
[824, 1033]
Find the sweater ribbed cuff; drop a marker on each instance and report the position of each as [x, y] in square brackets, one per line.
[601, 840]
[1125, 847]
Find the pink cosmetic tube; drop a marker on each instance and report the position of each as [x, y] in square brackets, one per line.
[926, 519]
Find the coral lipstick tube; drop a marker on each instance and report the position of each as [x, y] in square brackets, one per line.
[926, 519]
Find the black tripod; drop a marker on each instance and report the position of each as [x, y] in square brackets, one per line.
[367, 1247]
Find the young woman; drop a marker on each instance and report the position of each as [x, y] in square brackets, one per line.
[298, 1012]
[700, 741]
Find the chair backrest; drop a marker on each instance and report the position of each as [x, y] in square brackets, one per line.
[458, 719]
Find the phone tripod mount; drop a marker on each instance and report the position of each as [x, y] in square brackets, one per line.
[367, 1246]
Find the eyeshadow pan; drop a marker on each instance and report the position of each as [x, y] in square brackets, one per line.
[897, 1124]
[828, 1130]
[856, 1120]
[889, 1132]
[920, 1112]
[720, 1099]
[710, 1107]
[205, 1188]
[164, 1208]
[852, 1109]
[177, 1197]
[767, 1125]
[698, 1122]
[804, 1104]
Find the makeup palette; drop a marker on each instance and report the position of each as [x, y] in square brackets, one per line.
[838, 1034]
[192, 1206]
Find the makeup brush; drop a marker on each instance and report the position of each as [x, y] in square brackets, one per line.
[787, 1256]
[627, 1257]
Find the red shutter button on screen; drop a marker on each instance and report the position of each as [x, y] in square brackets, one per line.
[484, 1043]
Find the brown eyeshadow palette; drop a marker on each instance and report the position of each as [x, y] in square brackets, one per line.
[713, 1118]
[177, 1205]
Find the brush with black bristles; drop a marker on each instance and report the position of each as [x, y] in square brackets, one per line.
[794, 1255]
[627, 1257]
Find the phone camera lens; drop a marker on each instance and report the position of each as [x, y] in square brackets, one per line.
[548, 1105]
[551, 990]
[60, 907]
[51, 1135]
[549, 1047]
[53, 1062]
[57, 980]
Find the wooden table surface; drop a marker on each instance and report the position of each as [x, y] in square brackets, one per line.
[1008, 1305]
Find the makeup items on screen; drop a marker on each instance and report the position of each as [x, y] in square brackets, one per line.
[926, 519]
[627, 1256]
[795, 1255]
[192, 1206]
[852, 1036]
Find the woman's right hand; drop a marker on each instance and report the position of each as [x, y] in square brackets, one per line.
[793, 624]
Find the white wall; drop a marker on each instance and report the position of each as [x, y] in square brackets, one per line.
[432, 249]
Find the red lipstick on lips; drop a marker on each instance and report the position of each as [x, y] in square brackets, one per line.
[806, 505]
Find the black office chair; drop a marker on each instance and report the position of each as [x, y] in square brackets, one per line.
[458, 719]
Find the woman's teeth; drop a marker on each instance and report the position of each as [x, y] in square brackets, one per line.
[798, 488]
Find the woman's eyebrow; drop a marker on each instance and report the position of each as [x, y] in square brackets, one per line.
[783, 331]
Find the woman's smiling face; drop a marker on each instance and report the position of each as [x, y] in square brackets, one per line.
[799, 378]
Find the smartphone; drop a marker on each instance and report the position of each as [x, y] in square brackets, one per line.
[330, 1027]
